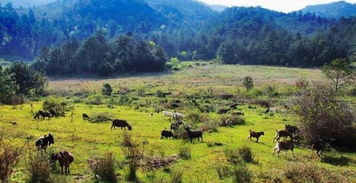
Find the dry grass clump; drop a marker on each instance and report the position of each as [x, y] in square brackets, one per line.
[9, 157]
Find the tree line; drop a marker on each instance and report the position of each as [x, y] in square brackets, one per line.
[98, 56]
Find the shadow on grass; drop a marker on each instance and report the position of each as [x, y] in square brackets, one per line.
[337, 161]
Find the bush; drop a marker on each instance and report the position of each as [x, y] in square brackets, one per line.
[195, 117]
[232, 156]
[224, 171]
[176, 177]
[302, 83]
[209, 126]
[245, 154]
[242, 174]
[231, 121]
[39, 168]
[105, 168]
[106, 90]
[304, 172]
[94, 100]
[248, 82]
[323, 115]
[185, 152]
[9, 156]
[101, 117]
[58, 106]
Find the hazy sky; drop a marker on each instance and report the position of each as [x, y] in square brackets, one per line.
[279, 5]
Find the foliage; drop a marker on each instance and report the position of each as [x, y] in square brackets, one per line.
[174, 64]
[177, 177]
[101, 117]
[323, 116]
[58, 106]
[231, 121]
[224, 171]
[305, 172]
[340, 73]
[97, 56]
[105, 168]
[242, 174]
[245, 154]
[106, 90]
[9, 157]
[185, 152]
[20, 80]
[39, 168]
[248, 82]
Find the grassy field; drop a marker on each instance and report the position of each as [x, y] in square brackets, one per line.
[87, 140]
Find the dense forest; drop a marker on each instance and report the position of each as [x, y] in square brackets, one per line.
[235, 35]
[96, 56]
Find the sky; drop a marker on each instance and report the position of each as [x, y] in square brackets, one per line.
[278, 5]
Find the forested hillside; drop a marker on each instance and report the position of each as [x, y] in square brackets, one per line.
[185, 29]
[333, 10]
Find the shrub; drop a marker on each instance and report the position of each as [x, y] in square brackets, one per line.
[106, 90]
[232, 156]
[248, 82]
[242, 174]
[231, 121]
[105, 168]
[195, 117]
[185, 152]
[323, 115]
[58, 106]
[304, 172]
[94, 100]
[9, 156]
[209, 126]
[302, 83]
[176, 177]
[100, 117]
[245, 154]
[223, 171]
[39, 168]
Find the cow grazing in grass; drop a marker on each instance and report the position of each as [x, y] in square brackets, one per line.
[44, 142]
[123, 124]
[65, 159]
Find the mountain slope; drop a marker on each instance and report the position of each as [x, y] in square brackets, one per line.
[332, 10]
[26, 3]
[218, 7]
[188, 10]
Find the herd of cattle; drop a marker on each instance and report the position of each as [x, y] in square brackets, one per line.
[288, 134]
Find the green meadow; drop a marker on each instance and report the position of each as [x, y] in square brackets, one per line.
[136, 97]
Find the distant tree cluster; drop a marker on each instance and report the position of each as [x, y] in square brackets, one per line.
[97, 56]
[19, 81]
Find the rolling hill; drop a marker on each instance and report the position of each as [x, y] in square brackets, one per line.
[332, 10]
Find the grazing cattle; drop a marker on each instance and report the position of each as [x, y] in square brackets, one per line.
[282, 133]
[42, 114]
[166, 134]
[194, 134]
[44, 141]
[256, 135]
[65, 159]
[120, 123]
[85, 116]
[292, 129]
[285, 146]
[175, 126]
[318, 146]
[167, 114]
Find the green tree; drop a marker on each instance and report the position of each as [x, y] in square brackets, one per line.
[8, 87]
[106, 90]
[339, 72]
[248, 82]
